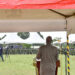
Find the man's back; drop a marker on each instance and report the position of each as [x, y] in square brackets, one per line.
[49, 53]
[49, 56]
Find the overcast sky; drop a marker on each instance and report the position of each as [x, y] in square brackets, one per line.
[35, 38]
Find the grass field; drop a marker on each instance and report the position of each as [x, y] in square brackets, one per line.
[22, 65]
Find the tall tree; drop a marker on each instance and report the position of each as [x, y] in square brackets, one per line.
[23, 35]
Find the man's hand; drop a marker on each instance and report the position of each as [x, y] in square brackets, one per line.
[58, 63]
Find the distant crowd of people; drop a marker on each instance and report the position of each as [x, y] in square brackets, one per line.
[1, 52]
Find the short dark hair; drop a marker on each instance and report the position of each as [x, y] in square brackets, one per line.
[49, 37]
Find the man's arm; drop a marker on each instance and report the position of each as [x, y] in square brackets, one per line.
[57, 59]
[38, 56]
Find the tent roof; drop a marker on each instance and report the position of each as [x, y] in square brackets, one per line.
[30, 20]
[37, 4]
[20, 20]
[34, 13]
[71, 24]
[28, 14]
[65, 11]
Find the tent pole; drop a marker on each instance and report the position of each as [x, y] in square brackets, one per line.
[68, 59]
[65, 63]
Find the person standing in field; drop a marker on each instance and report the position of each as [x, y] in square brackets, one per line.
[49, 56]
[1, 53]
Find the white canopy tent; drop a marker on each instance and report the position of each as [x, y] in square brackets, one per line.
[16, 39]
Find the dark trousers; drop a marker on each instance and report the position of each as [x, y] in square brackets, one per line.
[2, 57]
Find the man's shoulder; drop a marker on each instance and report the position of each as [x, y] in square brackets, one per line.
[43, 46]
[54, 47]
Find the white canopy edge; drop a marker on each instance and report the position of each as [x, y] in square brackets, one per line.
[34, 38]
[32, 25]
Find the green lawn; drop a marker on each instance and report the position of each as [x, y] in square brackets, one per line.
[22, 65]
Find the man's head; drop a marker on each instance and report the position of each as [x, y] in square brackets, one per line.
[48, 40]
